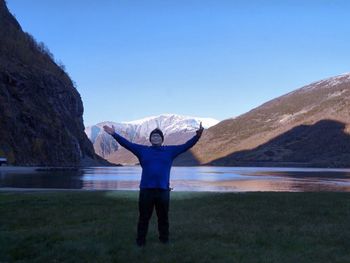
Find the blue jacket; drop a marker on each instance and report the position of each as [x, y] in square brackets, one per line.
[155, 161]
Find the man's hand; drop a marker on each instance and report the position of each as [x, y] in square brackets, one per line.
[200, 130]
[109, 130]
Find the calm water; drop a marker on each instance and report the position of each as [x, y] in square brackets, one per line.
[236, 179]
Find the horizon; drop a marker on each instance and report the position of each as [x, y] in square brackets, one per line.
[202, 59]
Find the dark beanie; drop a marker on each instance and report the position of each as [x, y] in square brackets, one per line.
[157, 131]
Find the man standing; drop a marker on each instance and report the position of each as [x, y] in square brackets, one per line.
[156, 162]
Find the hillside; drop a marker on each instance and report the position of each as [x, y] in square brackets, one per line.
[307, 127]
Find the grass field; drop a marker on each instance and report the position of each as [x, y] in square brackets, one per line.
[100, 226]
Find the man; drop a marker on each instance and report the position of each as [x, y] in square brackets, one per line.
[156, 161]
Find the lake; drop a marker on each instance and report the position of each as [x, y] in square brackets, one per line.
[203, 178]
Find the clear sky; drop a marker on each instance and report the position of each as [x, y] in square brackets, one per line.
[219, 59]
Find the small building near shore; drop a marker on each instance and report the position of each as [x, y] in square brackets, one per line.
[3, 160]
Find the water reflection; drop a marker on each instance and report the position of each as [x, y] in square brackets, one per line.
[42, 179]
[237, 179]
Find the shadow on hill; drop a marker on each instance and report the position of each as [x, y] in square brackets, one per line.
[186, 159]
[323, 144]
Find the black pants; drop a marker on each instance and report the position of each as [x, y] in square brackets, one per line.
[149, 198]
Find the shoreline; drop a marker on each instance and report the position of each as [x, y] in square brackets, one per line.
[18, 168]
[48, 168]
[19, 189]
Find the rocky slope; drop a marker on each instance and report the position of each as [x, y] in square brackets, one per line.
[41, 110]
[177, 129]
[307, 127]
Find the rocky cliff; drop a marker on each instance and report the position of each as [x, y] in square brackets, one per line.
[40, 109]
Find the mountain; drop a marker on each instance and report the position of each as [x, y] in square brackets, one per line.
[41, 111]
[177, 129]
[307, 127]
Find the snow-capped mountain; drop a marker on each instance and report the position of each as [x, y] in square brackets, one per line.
[171, 123]
[176, 128]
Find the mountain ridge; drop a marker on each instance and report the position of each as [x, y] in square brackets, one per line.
[321, 100]
[262, 135]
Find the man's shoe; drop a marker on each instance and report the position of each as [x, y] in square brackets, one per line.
[164, 241]
[140, 243]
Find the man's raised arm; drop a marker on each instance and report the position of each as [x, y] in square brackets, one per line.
[177, 150]
[132, 147]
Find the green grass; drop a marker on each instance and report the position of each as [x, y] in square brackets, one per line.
[205, 227]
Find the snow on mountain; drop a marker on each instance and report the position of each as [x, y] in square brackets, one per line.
[206, 122]
[168, 123]
[329, 82]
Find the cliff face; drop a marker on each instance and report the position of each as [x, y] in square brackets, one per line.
[41, 111]
[307, 127]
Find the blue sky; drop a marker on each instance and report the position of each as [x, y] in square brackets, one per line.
[219, 59]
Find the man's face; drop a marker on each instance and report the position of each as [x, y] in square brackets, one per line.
[156, 139]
